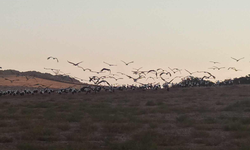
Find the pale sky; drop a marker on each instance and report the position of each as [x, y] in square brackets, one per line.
[153, 33]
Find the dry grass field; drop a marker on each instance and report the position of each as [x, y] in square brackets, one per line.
[208, 118]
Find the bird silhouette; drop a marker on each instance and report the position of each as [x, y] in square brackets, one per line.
[233, 68]
[127, 63]
[103, 81]
[215, 62]
[109, 64]
[152, 71]
[150, 78]
[11, 80]
[114, 78]
[137, 69]
[105, 69]
[215, 67]
[135, 79]
[237, 59]
[29, 77]
[168, 82]
[174, 70]
[210, 75]
[75, 64]
[84, 69]
[166, 73]
[190, 72]
[56, 71]
[53, 58]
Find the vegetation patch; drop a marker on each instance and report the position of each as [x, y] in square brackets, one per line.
[243, 105]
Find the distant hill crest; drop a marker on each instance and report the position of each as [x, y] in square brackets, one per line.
[48, 76]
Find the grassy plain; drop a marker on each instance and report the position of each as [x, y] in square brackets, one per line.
[208, 118]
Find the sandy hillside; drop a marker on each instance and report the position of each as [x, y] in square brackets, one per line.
[22, 81]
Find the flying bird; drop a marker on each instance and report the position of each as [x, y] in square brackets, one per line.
[207, 77]
[114, 78]
[233, 68]
[190, 72]
[75, 64]
[237, 59]
[137, 69]
[127, 63]
[166, 73]
[56, 71]
[105, 69]
[54, 58]
[210, 75]
[84, 69]
[215, 62]
[29, 77]
[150, 78]
[11, 80]
[103, 81]
[109, 64]
[153, 71]
[215, 67]
[168, 82]
[174, 70]
[135, 79]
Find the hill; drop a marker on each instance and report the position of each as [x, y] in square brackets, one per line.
[60, 78]
[13, 78]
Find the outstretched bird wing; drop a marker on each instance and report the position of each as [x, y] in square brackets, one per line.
[104, 82]
[130, 62]
[71, 63]
[78, 63]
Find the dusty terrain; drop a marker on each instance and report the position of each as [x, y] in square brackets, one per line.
[207, 118]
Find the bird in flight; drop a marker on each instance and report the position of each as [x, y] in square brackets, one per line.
[105, 69]
[237, 59]
[53, 58]
[165, 73]
[215, 62]
[233, 68]
[135, 79]
[56, 71]
[215, 67]
[137, 69]
[127, 63]
[210, 75]
[153, 71]
[150, 78]
[11, 80]
[114, 78]
[102, 81]
[190, 72]
[174, 70]
[109, 64]
[168, 82]
[75, 64]
[207, 77]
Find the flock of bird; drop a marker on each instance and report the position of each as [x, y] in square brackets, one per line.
[148, 79]
[138, 74]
